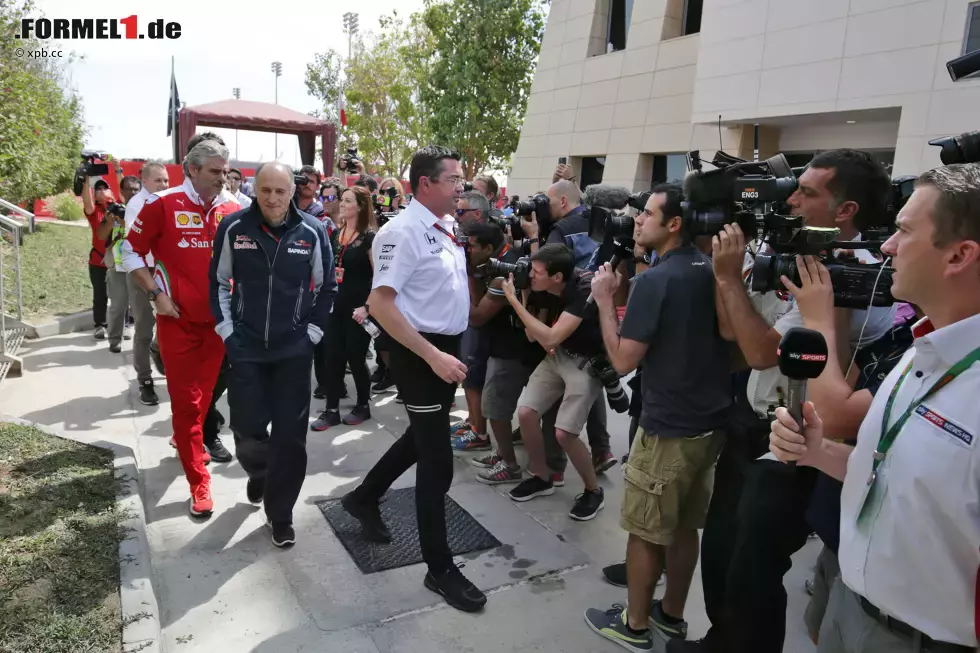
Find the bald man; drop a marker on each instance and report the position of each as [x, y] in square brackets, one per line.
[270, 318]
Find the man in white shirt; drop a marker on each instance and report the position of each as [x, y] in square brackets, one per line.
[235, 188]
[421, 298]
[155, 179]
[910, 531]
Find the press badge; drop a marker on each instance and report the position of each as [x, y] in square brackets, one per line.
[872, 496]
[339, 274]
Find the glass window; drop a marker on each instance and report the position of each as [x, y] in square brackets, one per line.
[972, 41]
[669, 168]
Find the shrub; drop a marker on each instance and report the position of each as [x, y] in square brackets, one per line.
[66, 206]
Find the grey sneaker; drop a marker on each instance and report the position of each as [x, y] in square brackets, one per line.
[100, 333]
[499, 474]
[611, 624]
[486, 462]
[665, 626]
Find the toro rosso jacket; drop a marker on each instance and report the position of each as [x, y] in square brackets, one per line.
[178, 230]
[271, 289]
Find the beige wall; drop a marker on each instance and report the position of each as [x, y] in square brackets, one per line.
[754, 61]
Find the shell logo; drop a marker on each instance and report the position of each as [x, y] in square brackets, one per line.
[183, 218]
[188, 220]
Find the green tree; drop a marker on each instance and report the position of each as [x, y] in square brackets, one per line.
[41, 125]
[323, 82]
[481, 59]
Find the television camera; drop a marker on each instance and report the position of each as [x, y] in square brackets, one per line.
[348, 161]
[90, 168]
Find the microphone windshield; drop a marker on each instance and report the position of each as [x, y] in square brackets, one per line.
[802, 353]
[606, 196]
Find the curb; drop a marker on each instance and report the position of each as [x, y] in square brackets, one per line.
[141, 631]
[61, 326]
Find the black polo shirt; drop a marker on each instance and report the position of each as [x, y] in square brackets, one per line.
[586, 340]
[686, 382]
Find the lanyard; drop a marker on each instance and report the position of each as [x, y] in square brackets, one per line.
[343, 250]
[451, 236]
[888, 435]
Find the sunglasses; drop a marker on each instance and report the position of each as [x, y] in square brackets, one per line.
[460, 212]
[329, 198]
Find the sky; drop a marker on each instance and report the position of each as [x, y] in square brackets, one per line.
[125, 84]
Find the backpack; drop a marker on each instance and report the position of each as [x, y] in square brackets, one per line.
[584, 250]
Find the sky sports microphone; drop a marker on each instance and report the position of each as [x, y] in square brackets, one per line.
[802, 355]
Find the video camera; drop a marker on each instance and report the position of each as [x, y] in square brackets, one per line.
[521, 270]
[89, 168]
[348, 161]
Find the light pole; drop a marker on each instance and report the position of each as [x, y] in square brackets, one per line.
[277, 71]
[237, 92]
[350, 26]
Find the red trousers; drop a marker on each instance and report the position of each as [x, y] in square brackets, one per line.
[192, 355]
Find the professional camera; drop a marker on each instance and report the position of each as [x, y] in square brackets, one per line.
[964, 148]
[300, 179]
[512, 221]
[521, 270]
[89, 168]
[348, 161]
[116, 209]
[539, 204]
[600, 368]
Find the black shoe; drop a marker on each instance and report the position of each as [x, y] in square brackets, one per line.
[398, 399]
[320, 392]
[326, 419]
[283, 535]
[255, 490]
[458, 591]
[115, 347]
[532, 487]
[384, 385]
[219, 453]
[615, 574]
[587, 505]
[372, 526]
[377, 374]
[357, 415]
[148, 394]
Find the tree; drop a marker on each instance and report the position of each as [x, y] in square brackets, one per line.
[323, 82]
[481, 59]
[41, 126]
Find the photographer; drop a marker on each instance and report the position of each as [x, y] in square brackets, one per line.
[306, 200]
[757, 518]
[560, 294]
[909, 543]
[671, 326]
[96, 198]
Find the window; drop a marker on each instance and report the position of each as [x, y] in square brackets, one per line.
[592, 169]
[669, 168]
[692, 16]
[972, 41]
[683, 18]
[610, 26]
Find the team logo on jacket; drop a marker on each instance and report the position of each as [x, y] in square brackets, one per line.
[296, 250]
[302, 243]
[195, 243]
[187, 220]
[218, 217]
[244, 242]
[183, 244]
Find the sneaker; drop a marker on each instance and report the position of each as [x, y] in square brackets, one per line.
[255, 490]
[398, 399]
[472, 441]
[458, 591]
[326, 419]
[206, 458]
[665, 626]
[558, 479]
[460, 428]
[283, 535]
[128, 332]
[115, 348]
[201, 503]
[384, 385]
[532, 487]
[378, 373]
[148, 394]
[486, 462]
[100, 333]
[320, 392]
[219, 453]
[603, 462]
[500, 474]
[357, 415]
[372, 526]
[611, 624]
[616, 575]
[587, 505]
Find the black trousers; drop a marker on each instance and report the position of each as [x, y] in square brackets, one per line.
[428, 400]
[755, 523]
[100, 294]
[212, 425]
[276, 393]
[348, 345]
[320, 362]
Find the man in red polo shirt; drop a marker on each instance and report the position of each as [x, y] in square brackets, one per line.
[177, 226]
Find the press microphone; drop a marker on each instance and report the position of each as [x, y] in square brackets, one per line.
[802, 355]
[606, 196]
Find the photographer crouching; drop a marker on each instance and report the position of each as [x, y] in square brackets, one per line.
[671, 326]
[909, 531]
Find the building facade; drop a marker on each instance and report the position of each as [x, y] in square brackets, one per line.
[624, 88]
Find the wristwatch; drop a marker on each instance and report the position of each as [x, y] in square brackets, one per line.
[153, 294]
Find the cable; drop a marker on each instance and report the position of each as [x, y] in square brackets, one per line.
[867, 316]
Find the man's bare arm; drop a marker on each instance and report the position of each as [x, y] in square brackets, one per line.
[757, 340]
[624, 354]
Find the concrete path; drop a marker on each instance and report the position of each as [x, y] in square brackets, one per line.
[223, 586]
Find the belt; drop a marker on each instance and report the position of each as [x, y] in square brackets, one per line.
[926, 643]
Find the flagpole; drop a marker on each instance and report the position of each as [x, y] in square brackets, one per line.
[173, 111]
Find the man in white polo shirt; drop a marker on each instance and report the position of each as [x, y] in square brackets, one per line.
[421, 298]
[910, 507]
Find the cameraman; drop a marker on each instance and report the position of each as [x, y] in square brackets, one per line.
[560, 296]
[909, 542]
[757, 519]
[672, 327]
[306, 200]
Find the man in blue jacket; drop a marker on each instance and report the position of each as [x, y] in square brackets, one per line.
[272, 287]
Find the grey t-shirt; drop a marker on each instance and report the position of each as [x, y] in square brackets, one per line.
[686, 383]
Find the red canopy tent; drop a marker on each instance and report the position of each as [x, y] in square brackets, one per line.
[260, 117]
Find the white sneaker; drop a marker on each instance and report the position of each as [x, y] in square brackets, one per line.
[127, 332]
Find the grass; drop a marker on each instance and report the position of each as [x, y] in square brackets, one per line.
[59, 539]
[54, 270]
[65, 206]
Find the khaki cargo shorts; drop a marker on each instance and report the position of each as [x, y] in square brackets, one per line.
[668, 484]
